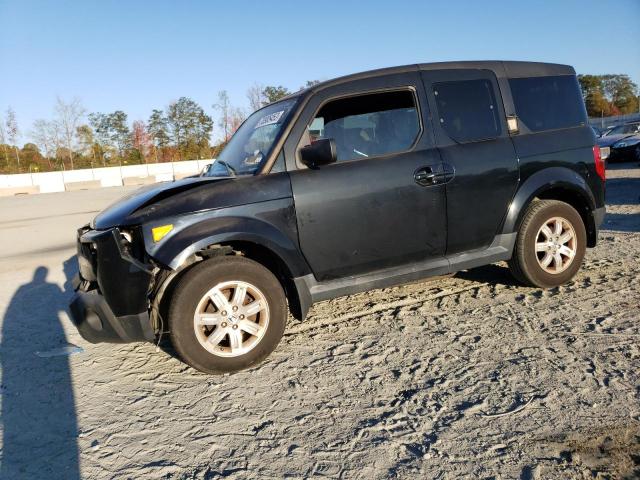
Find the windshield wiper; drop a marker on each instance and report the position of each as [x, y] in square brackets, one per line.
[230, 169]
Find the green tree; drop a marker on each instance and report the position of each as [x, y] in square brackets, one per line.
[622, 92]
[101, 124]
[190, 127]
[32, 160]
[158, 130]
[86, 142]
[120, 132]
[112, 132]
[593, 94]
[273, 94]
[606, 95]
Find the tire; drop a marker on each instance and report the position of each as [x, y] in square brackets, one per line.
[216, 343]
[533, 245]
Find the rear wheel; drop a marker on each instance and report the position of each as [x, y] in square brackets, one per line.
[227, 314]
[550, 246]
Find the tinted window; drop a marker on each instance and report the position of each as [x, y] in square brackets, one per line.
[548, 103]
[367, 125]
[467, 110]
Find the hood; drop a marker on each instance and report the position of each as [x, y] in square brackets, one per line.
[118, 213]
[184, 197]
[609, 140]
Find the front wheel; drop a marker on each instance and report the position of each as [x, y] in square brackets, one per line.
[227, 314]
[550, 245]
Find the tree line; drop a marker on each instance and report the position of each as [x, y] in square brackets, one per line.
[74, 138]
[609, 95]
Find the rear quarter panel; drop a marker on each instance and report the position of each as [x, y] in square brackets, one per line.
[568, 148]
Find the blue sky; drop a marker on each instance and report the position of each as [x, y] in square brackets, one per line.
[139, 55]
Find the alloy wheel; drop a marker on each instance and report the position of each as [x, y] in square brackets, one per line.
[556, 245]
[231, 318]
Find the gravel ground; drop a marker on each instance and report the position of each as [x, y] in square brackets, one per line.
[469, 376]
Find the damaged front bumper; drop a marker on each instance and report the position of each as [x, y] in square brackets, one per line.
[112, 288]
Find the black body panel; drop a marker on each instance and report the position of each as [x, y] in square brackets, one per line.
[442, 205]
[119, 213]
[270, 224]
[363, 215]
[486, 172]
[192, 195]
[561, 159]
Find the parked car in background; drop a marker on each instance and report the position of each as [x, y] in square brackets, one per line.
[623, 142]
[596, 131]
[362, 182]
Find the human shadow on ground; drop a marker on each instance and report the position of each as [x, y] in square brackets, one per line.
[39, 425]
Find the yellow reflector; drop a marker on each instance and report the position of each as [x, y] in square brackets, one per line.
[160, 232]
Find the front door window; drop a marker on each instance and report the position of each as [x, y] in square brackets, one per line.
[368, 125]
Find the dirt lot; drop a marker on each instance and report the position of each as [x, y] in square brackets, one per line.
[470, 376]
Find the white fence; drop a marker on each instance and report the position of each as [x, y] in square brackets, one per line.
[98, 177]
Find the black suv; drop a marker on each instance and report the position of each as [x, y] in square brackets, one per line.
[357, 183]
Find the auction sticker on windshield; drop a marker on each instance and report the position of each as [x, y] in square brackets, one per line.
[269, 119]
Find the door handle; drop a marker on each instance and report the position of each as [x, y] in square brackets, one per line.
[425, 176]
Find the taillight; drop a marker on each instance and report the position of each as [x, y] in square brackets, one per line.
[597, 159]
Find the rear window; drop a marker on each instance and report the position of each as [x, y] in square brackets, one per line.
[548, 103]
[467, 110]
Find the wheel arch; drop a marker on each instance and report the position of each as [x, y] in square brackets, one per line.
[555, 183]
[270, 259]
[249, 237]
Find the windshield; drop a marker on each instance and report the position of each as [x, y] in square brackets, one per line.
[621, 129]
[253, 141]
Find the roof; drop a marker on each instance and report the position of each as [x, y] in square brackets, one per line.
[502, 68]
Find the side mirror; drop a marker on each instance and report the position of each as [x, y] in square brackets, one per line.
[320, 152]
